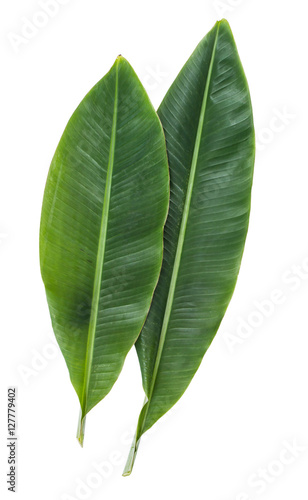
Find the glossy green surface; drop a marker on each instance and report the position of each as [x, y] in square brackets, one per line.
[207, 119]
[101, 237]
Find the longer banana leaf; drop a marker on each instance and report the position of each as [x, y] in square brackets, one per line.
[101, 236]
[208, 124]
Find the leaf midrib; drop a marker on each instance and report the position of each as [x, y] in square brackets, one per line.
[100, 254]
[182, 232]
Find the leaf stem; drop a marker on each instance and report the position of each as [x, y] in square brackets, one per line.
[131, 457]
[134, 447]
[81, 428]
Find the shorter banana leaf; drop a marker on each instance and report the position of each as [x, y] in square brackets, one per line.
[101, 235]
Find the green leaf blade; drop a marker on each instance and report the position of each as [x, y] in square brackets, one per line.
[207, 119]
[104, 209]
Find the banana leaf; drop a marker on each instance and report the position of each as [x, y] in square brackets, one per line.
[208, 124]
[101, 234]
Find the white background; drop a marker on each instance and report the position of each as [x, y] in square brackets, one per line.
[248, 401]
